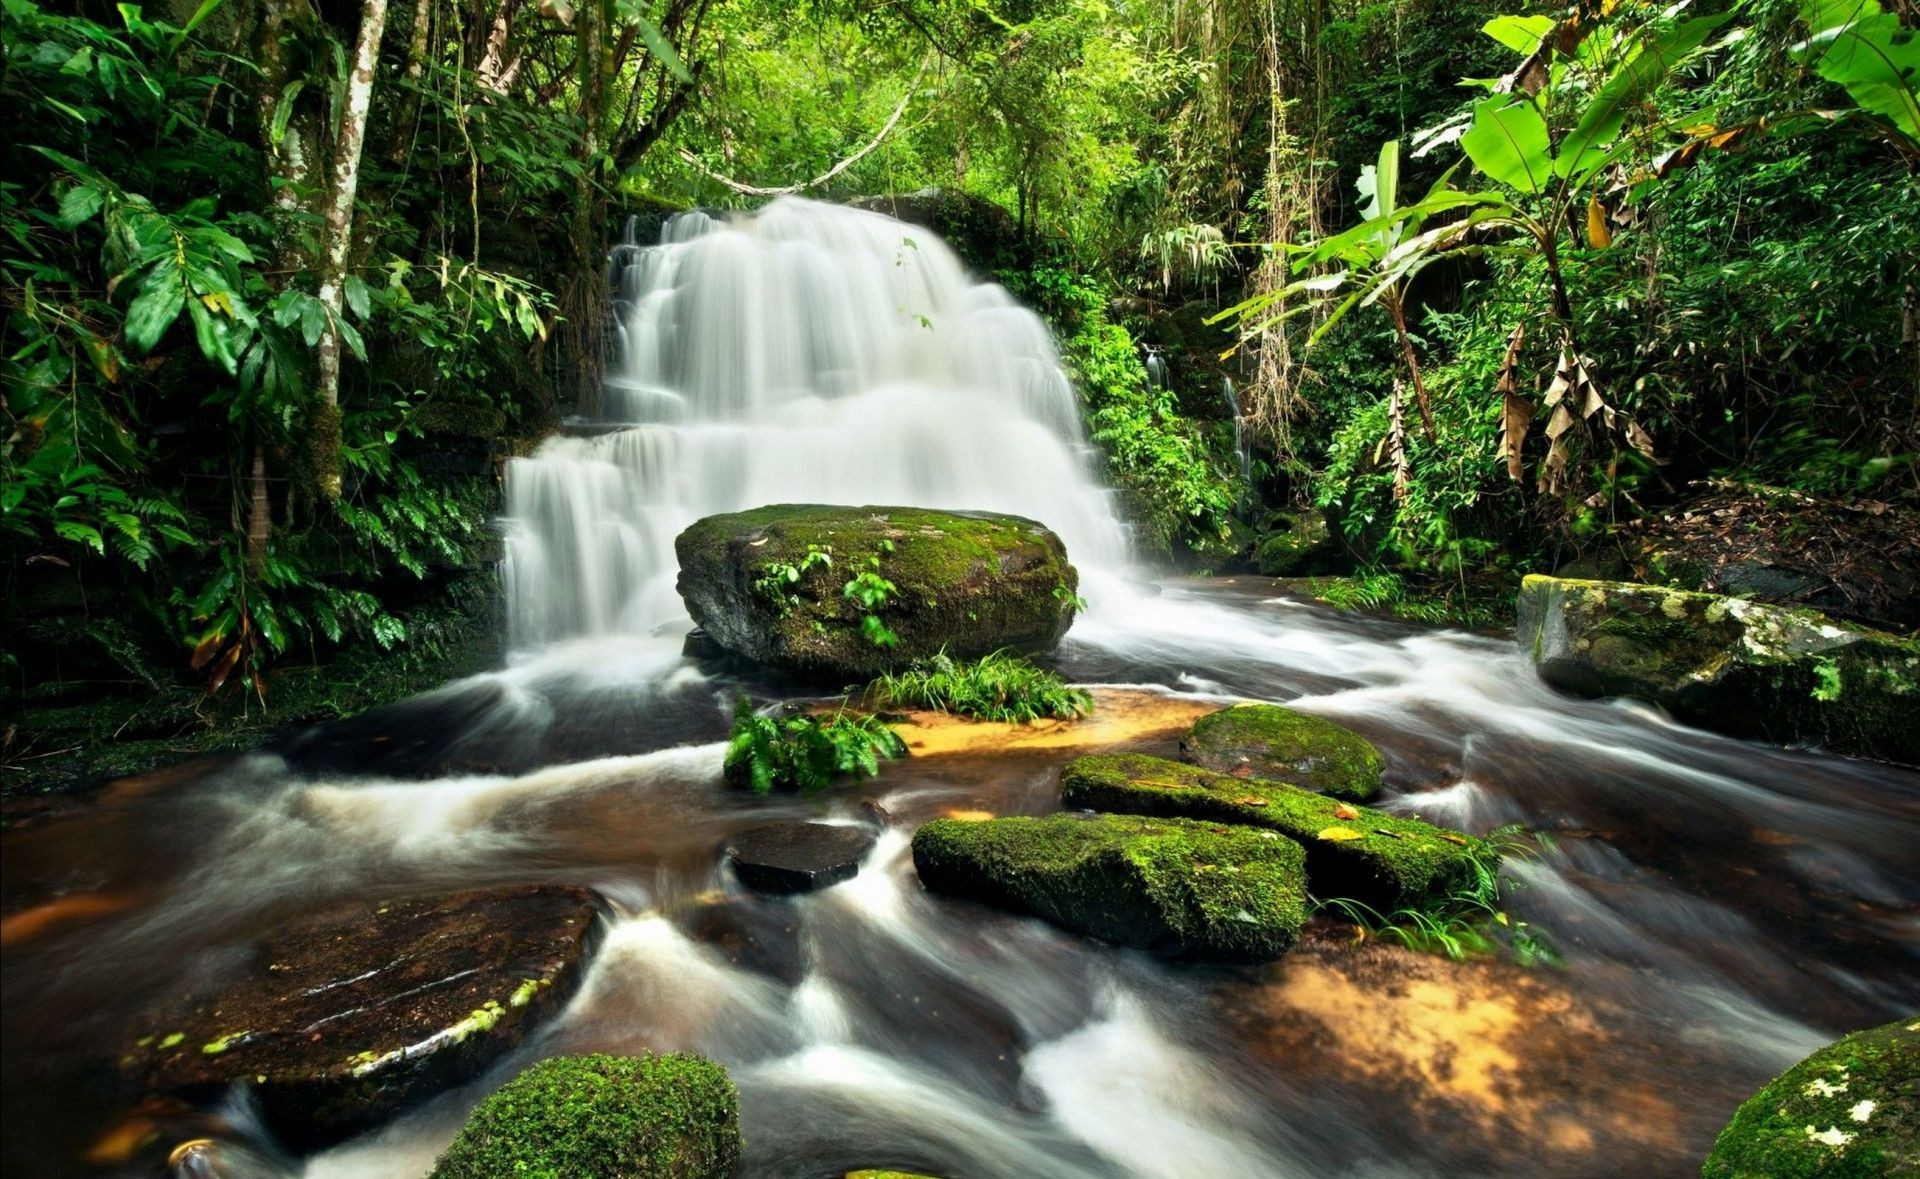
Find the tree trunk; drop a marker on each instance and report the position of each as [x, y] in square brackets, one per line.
[339, 238]
[585, 292]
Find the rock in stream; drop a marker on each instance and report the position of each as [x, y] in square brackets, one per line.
[341, 1019]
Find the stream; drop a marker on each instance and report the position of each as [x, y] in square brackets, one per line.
[1721, 908]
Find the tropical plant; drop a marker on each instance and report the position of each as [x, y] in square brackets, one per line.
[1001, 686]
[805, 752]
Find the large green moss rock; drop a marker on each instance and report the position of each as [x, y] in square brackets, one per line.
[1294, 543]
[1851, 1109]
[1281, 745]
[1383, 860]
[342, 1018]
[967, 582]
[1772, 672]
[603, 1117]
[1172, 886]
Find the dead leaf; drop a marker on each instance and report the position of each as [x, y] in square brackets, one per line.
[1599, 236]
[1251, 801]
[1343, 811]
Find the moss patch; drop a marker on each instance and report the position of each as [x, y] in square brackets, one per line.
[1279, 744]
[1386, 861]
[603, 1117]
[1172, 886]
[1850, 1109]
[968, 583]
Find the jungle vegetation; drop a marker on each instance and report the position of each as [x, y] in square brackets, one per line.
[285, 281]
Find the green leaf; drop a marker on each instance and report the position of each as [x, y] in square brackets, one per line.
[1508, 142]
[356, 292]
[85, 534]
[78, 204]
[1867, 51]
[154, 309]
[1633, 83]
[658, 45]
[1519, 33]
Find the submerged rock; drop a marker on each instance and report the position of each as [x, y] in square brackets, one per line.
[782, 585]
[1281, 745]
[798, 857]
[1171, 886]
[1850, 1109]
[1774, 672]
[1295, 543]
[603, 1117]
[1383, 860]
[342, 1018]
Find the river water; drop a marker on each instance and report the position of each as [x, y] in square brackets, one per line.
[1722, 908]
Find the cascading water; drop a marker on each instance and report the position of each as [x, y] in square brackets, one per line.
[807, 353]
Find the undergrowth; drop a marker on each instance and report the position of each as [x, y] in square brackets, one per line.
[1469, 922]
[805, 753]
[1000, 687]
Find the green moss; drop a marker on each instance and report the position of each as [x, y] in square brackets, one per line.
[1293, 543]
[1282, 745]
[1395, 862]
[1172, 886]
[603, 1117]
[1851, 1109]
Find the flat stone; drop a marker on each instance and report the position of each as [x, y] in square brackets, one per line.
[340, 1019]
[798, 857]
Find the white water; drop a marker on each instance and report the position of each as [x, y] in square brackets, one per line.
[807, 353]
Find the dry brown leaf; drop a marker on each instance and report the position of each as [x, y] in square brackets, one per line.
[1343, 811]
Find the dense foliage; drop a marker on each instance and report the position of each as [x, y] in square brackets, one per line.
[805, 752]
[998, 687]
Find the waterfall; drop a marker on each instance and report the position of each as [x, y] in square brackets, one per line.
[804, 353]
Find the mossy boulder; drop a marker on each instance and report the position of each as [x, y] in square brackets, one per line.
[1281, 745]
[772, 585]
[1383, 860]
[1171, 886]
[1772, 672]
[1294, 543]
[343, 1018]
[603, 1117]
[1851, 1109]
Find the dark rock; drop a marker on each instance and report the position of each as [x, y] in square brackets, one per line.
[1739, 667]
[341, 1019]
[798, 857]
[1850, 1109]
[770, 585]
[1171, 886]
[984, 235]
[875, 814]
[603, 1117]
[753, 933]
[1387, 861]
[1281, 745]
[699, 646]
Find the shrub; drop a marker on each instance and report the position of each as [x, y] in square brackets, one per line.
[1000, 687]
[603, 1117]
[805, 752]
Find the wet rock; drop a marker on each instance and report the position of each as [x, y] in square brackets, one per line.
[773, 585]
[1172, 886]
[700, 647]
[1386, 861]
[340, 1019]
[1295, 543]
[983, 234]
[798, 857]
[603, 1117]
[1281, 745]
[1773, 672]
[1852, 1108]
[751, 933]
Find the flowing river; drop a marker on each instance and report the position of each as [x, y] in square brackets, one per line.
[1722, 908]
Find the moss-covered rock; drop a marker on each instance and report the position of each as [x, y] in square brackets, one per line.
[984, 235]
[603, 1117]
[1281, 745]
[1172, 886]
[1294, 543]
[1386, 861]
[1773, 672]
[342, 1018]
[1851, 1109]
[772, 585]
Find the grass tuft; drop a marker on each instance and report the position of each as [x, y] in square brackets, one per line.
[1000, 687]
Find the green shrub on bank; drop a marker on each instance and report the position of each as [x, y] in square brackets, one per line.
[1000, 687]
[603, 1117]
[805, 753]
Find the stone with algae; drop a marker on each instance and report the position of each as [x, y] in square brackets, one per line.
[1386, 861]
[1171, 886]
[337, 1020]
[1852, 1109]
[1281, 745]
[772, 585]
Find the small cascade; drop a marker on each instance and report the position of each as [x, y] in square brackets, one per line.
[1242, 453]
[803, 353]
